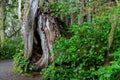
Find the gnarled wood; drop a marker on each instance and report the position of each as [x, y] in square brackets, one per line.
[40, 31]
[47, 30]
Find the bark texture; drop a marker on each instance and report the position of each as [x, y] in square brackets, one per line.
[40, 31]
[47, 30]
[28, 25]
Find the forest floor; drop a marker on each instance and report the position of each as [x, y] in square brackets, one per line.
[7, 73]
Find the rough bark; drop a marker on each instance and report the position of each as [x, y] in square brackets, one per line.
[47, 29]
[40, 31]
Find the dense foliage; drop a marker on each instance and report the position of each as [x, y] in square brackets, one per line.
[11, 32]
[83, 56]
[8, 48]
[77, 55]
[22, 64]
[15, 49]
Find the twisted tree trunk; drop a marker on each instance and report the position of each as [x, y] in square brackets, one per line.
[47, 31]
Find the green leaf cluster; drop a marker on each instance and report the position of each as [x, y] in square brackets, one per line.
[21, 64]
[111, 72]
[8, 48]
[80, 56]
[83, 55]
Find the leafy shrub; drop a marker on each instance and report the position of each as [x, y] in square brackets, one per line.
[80, 56]
[64, 7]
[111, 72]
[22, 64]
[8, 48]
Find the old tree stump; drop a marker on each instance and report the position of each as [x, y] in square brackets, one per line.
[40, 29]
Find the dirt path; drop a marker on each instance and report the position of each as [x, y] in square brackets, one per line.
[6, 72]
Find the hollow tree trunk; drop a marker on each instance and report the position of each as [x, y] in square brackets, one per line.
[40, 31]
[47, 30]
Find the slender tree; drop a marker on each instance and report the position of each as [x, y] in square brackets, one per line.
[112, 32]
[2, 5]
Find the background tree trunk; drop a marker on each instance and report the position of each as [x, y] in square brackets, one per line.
[2, 21]
[30, 10]
[112, 33]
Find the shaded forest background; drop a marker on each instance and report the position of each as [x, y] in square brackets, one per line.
[87, 47]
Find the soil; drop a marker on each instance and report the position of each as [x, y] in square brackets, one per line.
[7, 73]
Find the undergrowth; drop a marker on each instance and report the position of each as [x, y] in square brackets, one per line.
[82, 57]
[22, 65]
